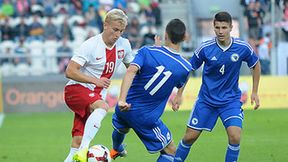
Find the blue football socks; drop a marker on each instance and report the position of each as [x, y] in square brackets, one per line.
[232, 153]
[117, 140]
[182, 151]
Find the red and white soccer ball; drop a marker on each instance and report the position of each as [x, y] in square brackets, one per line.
[99, 153]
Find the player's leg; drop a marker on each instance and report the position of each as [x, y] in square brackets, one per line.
[74, 101]
[77, 132]
[232, 118]
[202, 117]
[168, 153]
[99, 110]
[185, 144]
[80, 101]
[118, 135]
[76, 141]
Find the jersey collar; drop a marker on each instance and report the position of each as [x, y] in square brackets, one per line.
[225, 48]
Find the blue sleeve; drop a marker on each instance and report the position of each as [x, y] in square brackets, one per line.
[251, 58]
[139, 58]
[197, 59]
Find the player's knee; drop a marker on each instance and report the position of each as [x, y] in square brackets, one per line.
[99, 104]
[171, 150]
[234, 138]
[191, 136]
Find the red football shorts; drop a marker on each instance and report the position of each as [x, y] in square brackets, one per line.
[78, 98]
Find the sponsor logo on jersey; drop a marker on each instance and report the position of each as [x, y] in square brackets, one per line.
[99, 58]
[234, 57]
[120, 54]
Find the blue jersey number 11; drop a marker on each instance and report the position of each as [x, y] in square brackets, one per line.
[160, 70]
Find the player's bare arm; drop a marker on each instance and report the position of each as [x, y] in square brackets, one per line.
[73, 72]
[126, 84]
[177, 101]
[256, 77]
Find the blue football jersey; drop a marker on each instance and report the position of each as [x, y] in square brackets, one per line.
[221, 70]
[160, 70]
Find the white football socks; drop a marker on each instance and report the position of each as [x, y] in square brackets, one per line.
[69, 158]
[92, 126]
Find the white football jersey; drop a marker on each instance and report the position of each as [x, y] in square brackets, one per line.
[98, 60]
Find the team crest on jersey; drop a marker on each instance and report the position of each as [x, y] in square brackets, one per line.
[120, 54]
[234, 57]
[168, 136]
[194, 121]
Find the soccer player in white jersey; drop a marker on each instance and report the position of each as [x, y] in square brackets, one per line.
[219, 95]
[89, 71]
[145, 89]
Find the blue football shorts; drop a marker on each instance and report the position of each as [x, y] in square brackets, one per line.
[204, 116]
[154, 135]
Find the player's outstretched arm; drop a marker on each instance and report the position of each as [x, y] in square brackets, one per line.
[256, 78]
[177, 101]
[126, 84]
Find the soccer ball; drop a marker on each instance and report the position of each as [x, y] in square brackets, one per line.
[99, 153]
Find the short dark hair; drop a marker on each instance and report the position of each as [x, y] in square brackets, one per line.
[223, 16]
[176, 31]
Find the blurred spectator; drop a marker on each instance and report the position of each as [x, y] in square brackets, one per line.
[21, 52]
[22, 7]
[148, 38]
[187, 43]
[149, 15]
[133, 35]
[253, 20]
[285, 19]
[156, 11]
[77, 6]
[6, 52]
[36, 8]
[21, 30]
[87, 3]
[144, 3]
[90, 34]
[6, 30]
[264, 54]
[50, 30]
[64, 55]
[49, 7]
[36, 30]
[65, 30]
[121, 4]
[93, 19]
[7, 8]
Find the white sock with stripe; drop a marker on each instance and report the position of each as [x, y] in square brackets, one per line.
[69, 158]
[92, 126]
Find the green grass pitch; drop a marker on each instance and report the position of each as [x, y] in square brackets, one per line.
[46, 138]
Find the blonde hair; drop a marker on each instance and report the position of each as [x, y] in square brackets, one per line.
[116, 15]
